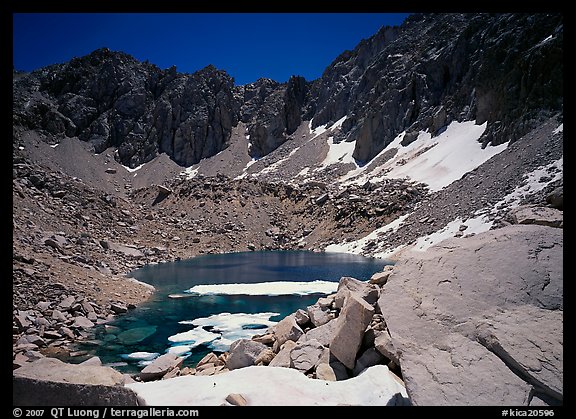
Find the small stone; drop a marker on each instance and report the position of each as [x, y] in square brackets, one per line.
[43, 305]
[82, 322]
[50, 334]
[301, 317]
[207, 359]
[19, 360]
[380, 278]
[65, 331]
[67, 302]
[265, 357]
[267, 339]
[236, 399]
[160, 366]
[118, 308]
[325, 372]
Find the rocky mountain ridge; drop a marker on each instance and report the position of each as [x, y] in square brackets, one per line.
[432, 70]
[118, 164]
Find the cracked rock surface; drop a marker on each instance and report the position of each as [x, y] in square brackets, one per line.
[472, 328]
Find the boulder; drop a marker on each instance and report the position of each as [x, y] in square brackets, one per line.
[287, 329]
[325, 372]
[265, 357]
[58, 315]
[304, 356]
[118, 308]
[301, 317]
[22, 320]
[51, 382]
[266, 339]
[160, 366]
[244, 353]
[352, 322]
[19, 361]
[556, 198]
[319, 315]
[120, 248]
[478, 320]
[92, 361]
[380, 278]
[383, 344]
[364, 290]
[282, 358]
[209, 358]
[323, 334]
[163, 190]
[368, 358]
[82, 322]
[545, 216]
[67, 302]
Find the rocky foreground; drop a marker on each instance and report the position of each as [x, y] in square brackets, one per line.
[471, 321]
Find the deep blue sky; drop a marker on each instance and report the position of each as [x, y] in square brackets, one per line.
[247, 45]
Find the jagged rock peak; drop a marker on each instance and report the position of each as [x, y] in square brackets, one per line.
[505, 70]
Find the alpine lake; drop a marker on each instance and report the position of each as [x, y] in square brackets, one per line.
[205, 303]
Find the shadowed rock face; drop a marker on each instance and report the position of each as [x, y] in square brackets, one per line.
[111, 99]
[505, 69]
[438, 68]
[472, 327]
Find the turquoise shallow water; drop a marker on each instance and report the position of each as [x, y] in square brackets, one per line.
[156, 326]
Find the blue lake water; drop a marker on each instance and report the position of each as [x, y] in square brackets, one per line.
[205, 303]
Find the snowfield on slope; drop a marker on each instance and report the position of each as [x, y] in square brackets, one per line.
[275, 386]
[436, 161]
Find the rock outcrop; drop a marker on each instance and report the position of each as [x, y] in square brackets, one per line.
[50, 382]
[478, 321]
[430, 71]
[439, 68]
[109, 99]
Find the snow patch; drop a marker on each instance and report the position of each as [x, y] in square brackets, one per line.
[389, 253]
[559, 129]
[133, 170]
[54, 145]
[274, 166]
[140, 356]
[444, 159]
[194, 337]
[544, 41]
[190, 172]
[534, 181]
[303, 172]
[316, 131]
[338, 123]
[180, 350]
[268, 386]
[358, 173]
[437, 161]
[230, 327]
[356, 246]
[273, 288]
[338, 153]
[475, 225]
[245, 170]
